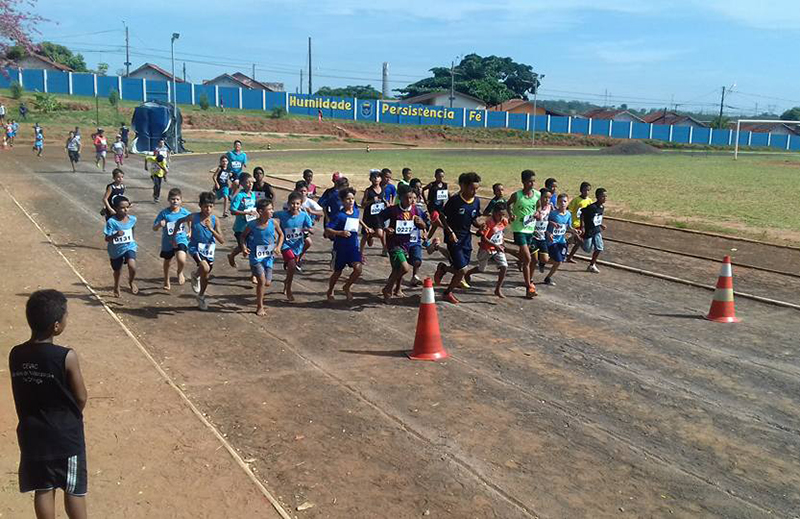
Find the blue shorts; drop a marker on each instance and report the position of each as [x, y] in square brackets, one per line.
[558, 252]
[593, 243]
[263, 268]
[459, 255]
[169, 254]
[415, 254]
[38, 145]
[116, 263]
[345, 257]
[223, 192]
[539, 246]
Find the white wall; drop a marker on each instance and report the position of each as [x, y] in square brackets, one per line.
[458, 102]
[33, 63]
[225, 82]
[150, 75]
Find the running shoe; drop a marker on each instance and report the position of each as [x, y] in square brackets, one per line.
[415, 281]
[548, 281]
[464, 284]
[541, 268]
[593, 268]
[195, 282]
[202, 304]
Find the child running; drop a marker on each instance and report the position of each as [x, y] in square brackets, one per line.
[521, 213]
[575, 208]
[237, 161]
[419, 237]
[399, 221]
[260, 238]
[261, 188]
[121, 243]
[389, 189]
[38, 140]
[243, 206]
[49, 396]
[222, 182]
[343, 228]
[406, 181]
[293, 224]
[552, 185]
[157, 165]
[204, 235]
[437, 192]
[73, 148]
[308, 177]
[100, 148]
[560, 223]
[492, 247]
[174, 240]
[457, 219]
[497, 191]
[118, 149]
[541, 220]
[113, 190]
[593, 228]
[314, 210]
[372, 204]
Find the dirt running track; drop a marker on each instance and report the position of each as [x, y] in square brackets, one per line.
[606, 396]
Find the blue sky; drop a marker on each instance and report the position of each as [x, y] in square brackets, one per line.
[644, 53]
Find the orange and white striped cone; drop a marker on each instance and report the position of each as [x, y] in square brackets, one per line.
[428, 340]
[722, 309]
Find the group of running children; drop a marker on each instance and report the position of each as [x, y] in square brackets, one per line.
[403, 218]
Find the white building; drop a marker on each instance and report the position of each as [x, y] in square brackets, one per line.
[152, 72]
[37, 61]
[442, 98]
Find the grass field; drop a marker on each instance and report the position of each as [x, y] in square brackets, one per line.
[698, 190]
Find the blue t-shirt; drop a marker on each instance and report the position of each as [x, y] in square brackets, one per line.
[292, 227]
[389, 192]
[39, 138]
[460, 215]
[416, 233]
[202, 241]
[342, 221]
[120, 244]
[261, 242]
[332, 204]
[557, 226]
[241, 202]
[172, 232]
[236, 161]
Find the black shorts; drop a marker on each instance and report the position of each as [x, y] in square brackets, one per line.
[68, 474]
[74, 156]
[116, 263]
[199, 259]
[169, 254]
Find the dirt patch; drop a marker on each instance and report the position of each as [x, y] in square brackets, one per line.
[630, 148]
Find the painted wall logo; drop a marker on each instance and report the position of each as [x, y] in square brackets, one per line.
[319, 103]
[366, 108]
[417, 111]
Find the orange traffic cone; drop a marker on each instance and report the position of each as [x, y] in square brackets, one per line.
[722, 310]
[428, 341]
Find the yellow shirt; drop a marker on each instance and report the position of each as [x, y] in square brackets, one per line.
[157, 169]
[575, 207]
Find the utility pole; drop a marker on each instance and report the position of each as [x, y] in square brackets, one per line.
[175, 36]
[253, 77]
[184, 72]
[301, 81]
[385, 85]
[721, 105]
[310, 90]
[605, 103]
[127, 52]
[452, 82]
[536, 83]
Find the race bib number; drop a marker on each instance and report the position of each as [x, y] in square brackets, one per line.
[414, 236]
[236, 164]
[171, 228]
[250, 217]
[528, 220]
[404, 226]
[578, 214]
[295, 233]
[442, 195]
[539, 229]
[559, 229]
[351, 225]
[264, 251]
[127, 237]
[260, 195]
[223, 177]
[376, 208]
[497, 238]
[206, 249]
[597, 220]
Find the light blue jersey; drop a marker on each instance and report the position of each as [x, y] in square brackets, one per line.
[292, 227]
[120, 244]
[202, 242]
[261, 242]
[236, 162]
[242, 202]
[172, 234]
[557, 226]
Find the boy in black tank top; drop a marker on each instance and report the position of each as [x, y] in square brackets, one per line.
[49, 395]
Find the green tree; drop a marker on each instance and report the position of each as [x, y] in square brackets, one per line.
[16, 90]
[359, 91]
[203, 101]
[492, 79]
[793, 114]
[61, 54]
[102, 69]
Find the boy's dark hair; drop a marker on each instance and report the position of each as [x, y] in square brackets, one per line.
[43, 310]
[599, 191]
[527, 174]
[263, 203]
[346, 191]
[257, 169]
[549, 183]
[307, 171]
[236, 141]
[342, 183]
[545, 191]
[415, 181]
[207, 197]
[374, 173]
[562, 195]
[175, 191]
[406, 170]
[384, 171]
[295, 195]
[119, 199]
[585, 185]
[495, 186]
[469, 178]
[438, 170]
[300, 184]
[499, 207]
[244, 177]
[115, 171]
[402, 190]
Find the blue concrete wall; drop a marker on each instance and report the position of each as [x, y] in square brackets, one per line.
[105, 84]
[580, 126]
[720, 137]
[559, 124]
[600, 127]
[82, 84]
[132, 89]
[700, 135]
[33, 80]
[57, 82]
[251, 99]
[641, 130]
[620, 129]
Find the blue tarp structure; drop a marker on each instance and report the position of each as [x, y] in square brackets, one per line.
[153, 121]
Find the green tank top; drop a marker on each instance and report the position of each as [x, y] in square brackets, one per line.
[523, 210]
